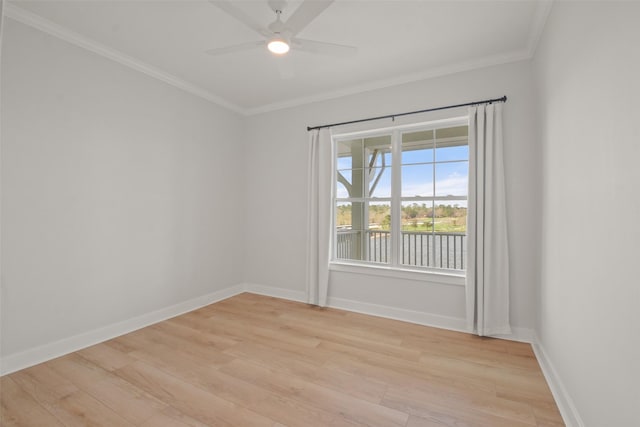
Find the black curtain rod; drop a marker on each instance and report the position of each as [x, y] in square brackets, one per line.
[393, 116]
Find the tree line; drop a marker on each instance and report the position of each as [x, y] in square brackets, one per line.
[381, 214]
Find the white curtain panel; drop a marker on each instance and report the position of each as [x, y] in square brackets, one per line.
[487, 250]
[319, 223]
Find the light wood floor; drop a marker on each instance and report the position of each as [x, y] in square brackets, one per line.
[258, 361]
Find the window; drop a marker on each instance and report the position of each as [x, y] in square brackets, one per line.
[400, 197]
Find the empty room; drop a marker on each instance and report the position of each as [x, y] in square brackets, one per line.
[319, 213]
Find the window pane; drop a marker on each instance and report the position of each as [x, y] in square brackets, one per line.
[452, 144]
[341, 191]
[349, 183]
[378, 235]
[349, 244]
[456, 152]
[346, 151]
[343, 215]
[417, 216]
[452, 179]
[417, 181]
[450, 216]
[363, 231]
[380, 182]
[417, 147]
[449, 246]
[379, 143]
[417, 230]
[343, 186]
[343, 163]
[379, 157]
[436, 236]
[379, 216]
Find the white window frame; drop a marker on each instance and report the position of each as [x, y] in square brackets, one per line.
[394, 268]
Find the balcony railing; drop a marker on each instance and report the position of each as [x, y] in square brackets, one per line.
[439, 250]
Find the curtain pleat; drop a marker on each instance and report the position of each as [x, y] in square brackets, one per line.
[487, 287]
[319, 220]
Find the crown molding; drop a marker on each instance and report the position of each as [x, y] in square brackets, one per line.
[38, 22]
[537, 27]
[543, 8]
[396, 81]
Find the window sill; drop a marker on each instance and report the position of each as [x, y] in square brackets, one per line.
[448, 278]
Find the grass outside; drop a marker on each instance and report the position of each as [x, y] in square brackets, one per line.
[441, 225]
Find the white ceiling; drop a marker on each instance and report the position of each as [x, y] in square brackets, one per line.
[397, 41]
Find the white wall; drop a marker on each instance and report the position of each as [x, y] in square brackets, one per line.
[276, 156]
[588, 68]
[120, 194]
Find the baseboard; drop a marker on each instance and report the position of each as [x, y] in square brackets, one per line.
[275, 292]
[34, 356]
[418, 317]
[411, 316]
[565, 404]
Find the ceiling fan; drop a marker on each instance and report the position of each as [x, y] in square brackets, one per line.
[279, 37]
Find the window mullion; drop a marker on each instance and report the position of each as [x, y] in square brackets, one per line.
[396, 193]
[433, 202]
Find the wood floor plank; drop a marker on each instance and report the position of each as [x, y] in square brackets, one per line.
[268, 356]
[80, 409]
[490, 357]
[18, 408]
[154, 337]
[252, 360]
[341, 326]
[213, 341]
[509, 410]
[165, 420]
[106, 357]
[44, 384]
[353, 409]
[283, 389]
[423, 422]
[291, 412]
[130, 402]
[268, 378]
[353, 385]
[78, 370]
[451, 414]
[207, 378]
[354, 339]
[187, 398]
[171, 417]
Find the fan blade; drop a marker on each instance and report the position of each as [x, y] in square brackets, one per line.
[304, 14]
[323, 48]
[235, 48]
[229, 8]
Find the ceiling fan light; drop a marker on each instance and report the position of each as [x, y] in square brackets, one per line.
[279, 46]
